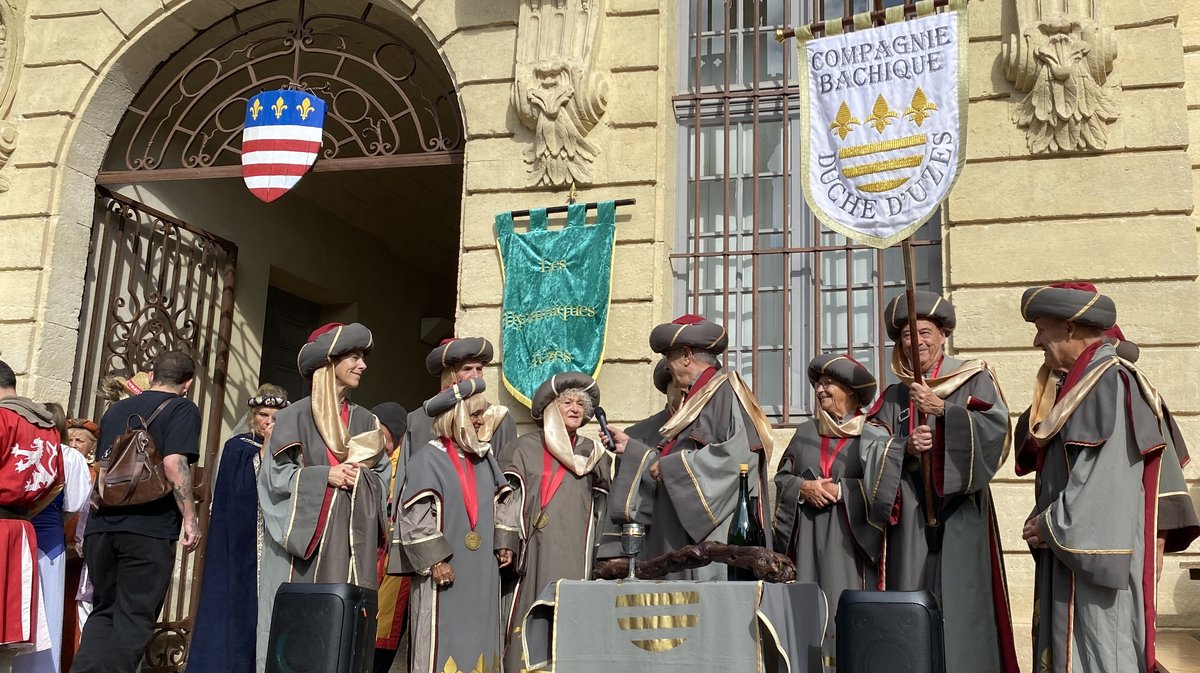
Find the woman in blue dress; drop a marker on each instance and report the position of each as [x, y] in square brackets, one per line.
[227, 618]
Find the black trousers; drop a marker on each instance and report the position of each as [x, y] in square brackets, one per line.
[130, 574]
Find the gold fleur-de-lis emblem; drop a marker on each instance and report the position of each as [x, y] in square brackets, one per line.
[255, 109]
[306, 107]
[920, 108]
[881, 115]
[279, 107]
[844, 122]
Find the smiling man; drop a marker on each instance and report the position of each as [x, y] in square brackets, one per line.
[1096, 439]
[957, 416]
[455, 361]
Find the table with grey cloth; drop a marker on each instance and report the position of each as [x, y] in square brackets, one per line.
[690, 627]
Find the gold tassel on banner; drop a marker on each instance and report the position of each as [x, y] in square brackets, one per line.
[864, 20]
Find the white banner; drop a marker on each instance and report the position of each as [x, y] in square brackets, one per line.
[883, 111]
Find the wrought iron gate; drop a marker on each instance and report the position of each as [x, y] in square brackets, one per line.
[155, 284]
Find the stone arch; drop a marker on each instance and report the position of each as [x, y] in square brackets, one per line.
[126, 44]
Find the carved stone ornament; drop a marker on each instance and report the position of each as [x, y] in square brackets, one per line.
[558, 93]
[1060, 59]
[10, 49]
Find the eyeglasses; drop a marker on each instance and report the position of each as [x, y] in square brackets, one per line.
[825, 382]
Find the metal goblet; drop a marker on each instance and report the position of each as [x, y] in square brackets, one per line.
[633, 536]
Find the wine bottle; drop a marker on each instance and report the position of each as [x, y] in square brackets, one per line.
[756, 521]
[741, 526]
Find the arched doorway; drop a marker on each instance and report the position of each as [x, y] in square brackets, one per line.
[183, 256]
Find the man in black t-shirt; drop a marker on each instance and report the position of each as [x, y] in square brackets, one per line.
[130, 550]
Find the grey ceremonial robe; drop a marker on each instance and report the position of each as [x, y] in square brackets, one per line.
[460, 621]
[1177, 519]
[970, 444]
[838, 546]
[314, 532]
[1092, 513]
[696, 497]
[645, 431]
[565, 548]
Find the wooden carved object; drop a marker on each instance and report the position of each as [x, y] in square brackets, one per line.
[558, 92]
[1060, 59]
[767, 565]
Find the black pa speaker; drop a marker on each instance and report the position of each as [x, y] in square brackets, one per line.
[322, 628]
[889, 632]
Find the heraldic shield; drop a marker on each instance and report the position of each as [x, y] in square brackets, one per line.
[557, 285]
[280, 140]
[883, 114]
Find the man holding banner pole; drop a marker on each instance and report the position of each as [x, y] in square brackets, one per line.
[883, 111]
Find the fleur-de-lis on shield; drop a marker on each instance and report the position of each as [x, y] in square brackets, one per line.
[881, 115]
[306, 107]
[844, 123]
[279, 107]
[255, 109]
[920, 108]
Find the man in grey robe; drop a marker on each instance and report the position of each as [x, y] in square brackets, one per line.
[456, 529]
[561, 481]
[454, 361]
[1178, 523]
[685, 489]
[957, 416]
[836, 486]
[322, 487]
[1096, 439]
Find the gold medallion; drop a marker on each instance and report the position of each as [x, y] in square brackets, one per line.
[542, 520]
[473, 541]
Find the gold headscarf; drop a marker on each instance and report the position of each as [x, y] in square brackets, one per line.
[366, 447]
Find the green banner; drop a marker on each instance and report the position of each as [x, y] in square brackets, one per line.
[557, 285]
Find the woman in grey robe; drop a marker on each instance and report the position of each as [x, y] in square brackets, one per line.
[837, 482]
[456, 529]
[561, 481]
[322, 485]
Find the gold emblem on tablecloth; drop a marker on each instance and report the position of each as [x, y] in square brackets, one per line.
[645, 625]
[473, 541]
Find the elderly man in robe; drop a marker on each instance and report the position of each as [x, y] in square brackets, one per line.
[1096, 438]
[957, 416]
[561, 481]
[456, 529]
[322, 486]
[454, 361]
[685, 488]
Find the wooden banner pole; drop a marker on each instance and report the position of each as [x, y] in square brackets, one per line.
[914, 363]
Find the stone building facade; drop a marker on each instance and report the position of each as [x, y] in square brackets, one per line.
[1118, 210]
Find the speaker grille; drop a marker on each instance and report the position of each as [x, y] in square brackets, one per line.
[885, 638]
[304, 633]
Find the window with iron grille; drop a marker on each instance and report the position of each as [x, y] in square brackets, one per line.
[749, 253]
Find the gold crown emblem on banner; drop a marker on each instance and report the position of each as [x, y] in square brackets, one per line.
[657, 631]
[904, 153]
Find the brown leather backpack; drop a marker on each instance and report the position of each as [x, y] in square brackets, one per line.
[135, 472]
